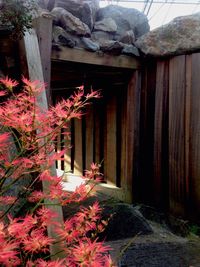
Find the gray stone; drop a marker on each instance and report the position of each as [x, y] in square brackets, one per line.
[126, 19]
[112, 47]
[69, 22]
[130, 50]
[101, 36]
[179, 36]
[84, 10]
[106, 25]
[59, 35]
[125, 222]
[128, 37]
[90, 45]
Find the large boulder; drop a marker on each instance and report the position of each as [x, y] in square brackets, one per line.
[126, 19]
[69, 22]
[84, 10]
[179, 36]
[125, 221]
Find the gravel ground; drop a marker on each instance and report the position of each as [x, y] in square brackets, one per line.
[160, 249]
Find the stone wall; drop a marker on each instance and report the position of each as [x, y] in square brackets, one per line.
[84, 24]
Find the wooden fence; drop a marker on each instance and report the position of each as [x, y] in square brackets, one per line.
[169, 175]
[146, 134]
[108, 134]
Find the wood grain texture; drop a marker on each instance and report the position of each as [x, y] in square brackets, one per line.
[89, 137]
[68, 146]
[110, 141]
[177, 134]
[188, 91]
[43, 26]
[83, 56]
[78, 149]
[160, 178]
[130, 136]
[195, 135]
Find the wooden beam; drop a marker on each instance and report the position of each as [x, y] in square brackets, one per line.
[33, 58]
[98, 58]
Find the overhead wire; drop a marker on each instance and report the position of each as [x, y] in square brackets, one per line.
[156, 12]
[167, 12]
[145, 6]
[149, 8]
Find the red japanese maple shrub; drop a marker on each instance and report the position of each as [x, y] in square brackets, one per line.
[27, 152]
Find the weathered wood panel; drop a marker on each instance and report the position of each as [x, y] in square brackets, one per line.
[110, 141]
[78, 148]
[68, 154]
[177, 134]
[195, 135]
[130, 136]
[83, 56]
[89, 137]
[144, 184]
[188, 91]
[160, 178]
[98, 141]
[43, 26]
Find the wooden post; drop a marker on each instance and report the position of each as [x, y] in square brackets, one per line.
[78, 150]
[89, 134]
[68, 156]
[36, 73]
[43, 27]
[130, 137]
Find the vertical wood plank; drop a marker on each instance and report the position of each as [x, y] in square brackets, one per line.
[89, 135]
[130, 136]
[144, 183]
[78, 149]
[188, 89]
[110, 148]
[97, 133]
[58, 149]
[177, 134]
[195, 136]
[43, 26]
[68, 146]
[160, 178]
